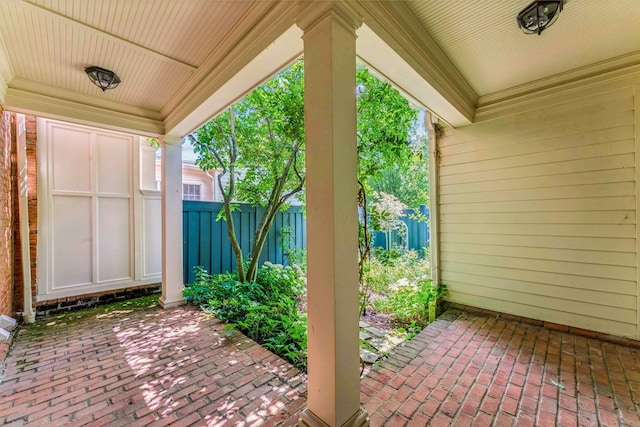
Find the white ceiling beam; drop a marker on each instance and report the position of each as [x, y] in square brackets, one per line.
[129, 120]
[6, 73]
[265, 49]
[278, 55]
[90, 29]
[394, 43]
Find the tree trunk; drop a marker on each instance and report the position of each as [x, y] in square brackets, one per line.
[259, 238]
[237, 250]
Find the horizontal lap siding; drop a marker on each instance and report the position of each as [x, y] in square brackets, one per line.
[538, 211]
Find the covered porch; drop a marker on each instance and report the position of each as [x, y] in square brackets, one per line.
[534, 190]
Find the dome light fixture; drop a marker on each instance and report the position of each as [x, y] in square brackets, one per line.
[539, 15]
[103, 78]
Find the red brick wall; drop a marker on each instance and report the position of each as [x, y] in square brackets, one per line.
[6, 215]
[32, 185]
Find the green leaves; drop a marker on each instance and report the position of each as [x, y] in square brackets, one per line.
[267, 129]
[409, 305]
[385, 121]
[266, 311]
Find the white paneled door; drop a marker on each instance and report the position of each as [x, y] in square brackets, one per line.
[86, 197]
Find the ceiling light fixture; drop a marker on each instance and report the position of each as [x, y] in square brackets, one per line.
[104, 79]
[539, 15]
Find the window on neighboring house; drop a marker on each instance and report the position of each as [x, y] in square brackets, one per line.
[190, 191]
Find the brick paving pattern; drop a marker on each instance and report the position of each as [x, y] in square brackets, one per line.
[178, 367]
[148, 367]
[474, 370]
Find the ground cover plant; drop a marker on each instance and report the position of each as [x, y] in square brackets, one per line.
[265, 310]
[397, 293]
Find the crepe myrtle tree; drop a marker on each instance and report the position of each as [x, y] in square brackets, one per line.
[258, 144]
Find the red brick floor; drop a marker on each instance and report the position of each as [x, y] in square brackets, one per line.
[147, 367]
[177, 367]
[468, 370]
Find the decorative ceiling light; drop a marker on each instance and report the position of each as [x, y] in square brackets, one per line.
[104, 79]
[539, 15]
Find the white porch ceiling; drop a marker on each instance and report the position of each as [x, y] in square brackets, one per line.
[484, 42]
[177, 58]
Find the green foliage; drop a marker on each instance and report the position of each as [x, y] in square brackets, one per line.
[233, 207]
[268, 127]
[292, 255]
[154, 142]
[266, 311]
[385, 120]
[387, 267]
[409, 305]
[408, 180]
[258, 144]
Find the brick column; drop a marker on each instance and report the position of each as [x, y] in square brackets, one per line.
[332, 223]
[6, 216]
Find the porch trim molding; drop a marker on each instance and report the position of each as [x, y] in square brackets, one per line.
[214, 75]
[504, 102]
[3, 88]
[434, 133]
[398, 27]
[309, 419]
[28, 314]
[28, 97]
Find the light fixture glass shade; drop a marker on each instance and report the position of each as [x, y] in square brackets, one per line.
[103, 78]
[539, 15]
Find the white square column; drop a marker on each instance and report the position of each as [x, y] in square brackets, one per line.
[172, 278]
[332, 222]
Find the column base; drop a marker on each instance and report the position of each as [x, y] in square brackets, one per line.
[29, 317]
[170, 303]
[309, 419]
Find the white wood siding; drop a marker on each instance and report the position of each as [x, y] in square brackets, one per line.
[538, 208]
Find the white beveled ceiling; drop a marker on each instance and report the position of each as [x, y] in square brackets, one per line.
[186, 58]
[483, 41]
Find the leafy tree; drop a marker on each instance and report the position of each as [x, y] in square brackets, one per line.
[385, 121]
[409, 182]
[258, 143]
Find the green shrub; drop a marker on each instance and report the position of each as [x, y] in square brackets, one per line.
[409, 305]
[266, 311]
[386, 267]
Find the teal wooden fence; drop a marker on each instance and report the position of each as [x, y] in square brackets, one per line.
[206, 241]
[417, 236]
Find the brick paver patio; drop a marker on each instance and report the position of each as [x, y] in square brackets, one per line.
[473, 370]
[147, 367]
[177, 367]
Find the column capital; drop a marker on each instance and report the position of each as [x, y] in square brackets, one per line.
[171, 140]
[311, 13]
